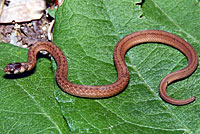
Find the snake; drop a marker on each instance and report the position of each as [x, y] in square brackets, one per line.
[105, 91]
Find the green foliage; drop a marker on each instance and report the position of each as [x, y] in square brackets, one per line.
[28, 103]
[87, 32]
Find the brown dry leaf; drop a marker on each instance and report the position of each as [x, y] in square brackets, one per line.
[22, 10]
[1, 5]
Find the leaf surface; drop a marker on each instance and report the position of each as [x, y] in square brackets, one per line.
[87, 32]
[28, 104]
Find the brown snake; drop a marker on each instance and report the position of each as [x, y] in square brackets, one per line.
[123, 75]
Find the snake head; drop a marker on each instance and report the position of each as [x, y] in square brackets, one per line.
[15, 68]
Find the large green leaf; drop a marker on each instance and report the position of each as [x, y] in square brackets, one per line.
[87, 32]
[28, 104]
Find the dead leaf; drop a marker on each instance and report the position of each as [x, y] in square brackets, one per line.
[22, 10]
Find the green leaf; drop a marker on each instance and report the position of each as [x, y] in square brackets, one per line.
[52, 12]
[28, 104]
[87, 32]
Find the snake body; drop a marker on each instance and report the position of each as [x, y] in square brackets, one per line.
[120, 50]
